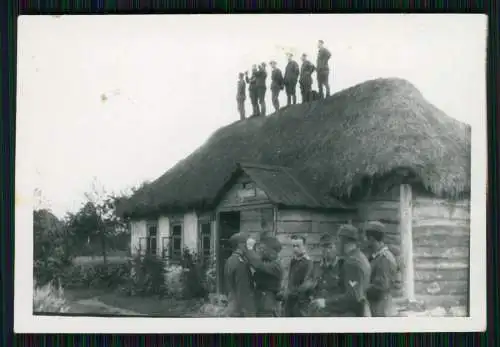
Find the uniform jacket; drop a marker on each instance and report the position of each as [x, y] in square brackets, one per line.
[268, 274]
[306, 71]
[291, 72]
[300, 270]
[260, 77]
[322, 59]
[239, 285]
[326, 279]
[267, 277]
[277, 81]
[252, 81]
[383, 275]
[355, 279]
[241, 93]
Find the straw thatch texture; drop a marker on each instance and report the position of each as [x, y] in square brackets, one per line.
[368, 130]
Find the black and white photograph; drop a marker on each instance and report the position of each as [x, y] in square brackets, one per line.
[179, 173]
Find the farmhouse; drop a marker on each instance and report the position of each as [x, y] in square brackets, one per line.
[375, 151]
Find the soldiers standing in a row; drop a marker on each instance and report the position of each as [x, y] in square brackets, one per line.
[293, 74]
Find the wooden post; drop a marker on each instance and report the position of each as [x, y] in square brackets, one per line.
[217, 253]
[405, 228]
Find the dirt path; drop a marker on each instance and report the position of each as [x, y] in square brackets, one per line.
[94, 305]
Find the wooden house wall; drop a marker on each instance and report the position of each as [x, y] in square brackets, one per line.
[233, 200]
[311, 224]
[441, 239]
[385, 209]
[137, 231]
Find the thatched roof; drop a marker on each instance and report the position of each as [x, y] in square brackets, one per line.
[368, 130]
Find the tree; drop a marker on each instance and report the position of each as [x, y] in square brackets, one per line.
[97, 221]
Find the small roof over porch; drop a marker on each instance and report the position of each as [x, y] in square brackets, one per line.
[282, 187]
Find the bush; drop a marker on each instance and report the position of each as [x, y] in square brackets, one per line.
[49, 299]
[194, 281]
[100, 276]
[147, 277]
[173, 280]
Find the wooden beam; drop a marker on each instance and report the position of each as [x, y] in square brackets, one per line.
[405, 225]
[217, 253]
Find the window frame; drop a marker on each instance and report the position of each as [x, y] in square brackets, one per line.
[204, 257]
[150, 250]
[173, 255]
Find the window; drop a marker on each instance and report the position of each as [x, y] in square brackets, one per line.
[152, 238]
[204, 241]
[176, 242]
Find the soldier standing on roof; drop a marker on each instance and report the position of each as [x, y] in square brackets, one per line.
[268, 275]
[355, 277]
[241, 95]
[326, 279]
[261, 76]
[322, 69]
[291, 77]
[305, 81]
[297, 294]
[239, 282]
[277, 84]
[252, 90]
[384, 268]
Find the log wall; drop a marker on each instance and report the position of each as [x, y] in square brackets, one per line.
[385, 209]
[441, 238]
[311, 225]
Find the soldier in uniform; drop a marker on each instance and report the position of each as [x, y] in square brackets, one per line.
[261, 76]
[322, 69]
[297, 294]
[384, 269]
[277, 84]
[291, 77]
[239, 282]
[252, 90]
[241, 95]
[305, 81]
[268, 274]
[326, 279]
[355, 277]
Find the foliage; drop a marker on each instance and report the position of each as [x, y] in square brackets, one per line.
[97, 223]
[174, 280]
[194, 281]
[147, 277]
[97, 276]
[47, 298]
[52, 253]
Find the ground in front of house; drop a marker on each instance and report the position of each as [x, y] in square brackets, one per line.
[101, 302]
[87, 301]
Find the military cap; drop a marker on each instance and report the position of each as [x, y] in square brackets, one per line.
[326, 238]
[290, 54]
[271, 242]
[238, 238]
[374, 226]
[272, 62]
[349, 232]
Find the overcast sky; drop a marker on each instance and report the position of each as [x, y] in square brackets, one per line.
[169, 82]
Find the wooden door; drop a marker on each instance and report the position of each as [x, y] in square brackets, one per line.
[229, 224]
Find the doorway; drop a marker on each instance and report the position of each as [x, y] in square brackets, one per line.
[229, 224]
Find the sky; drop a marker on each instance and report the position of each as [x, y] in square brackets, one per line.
[118, 100]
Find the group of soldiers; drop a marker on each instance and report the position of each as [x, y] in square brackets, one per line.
[293, 74]
[346, 282]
